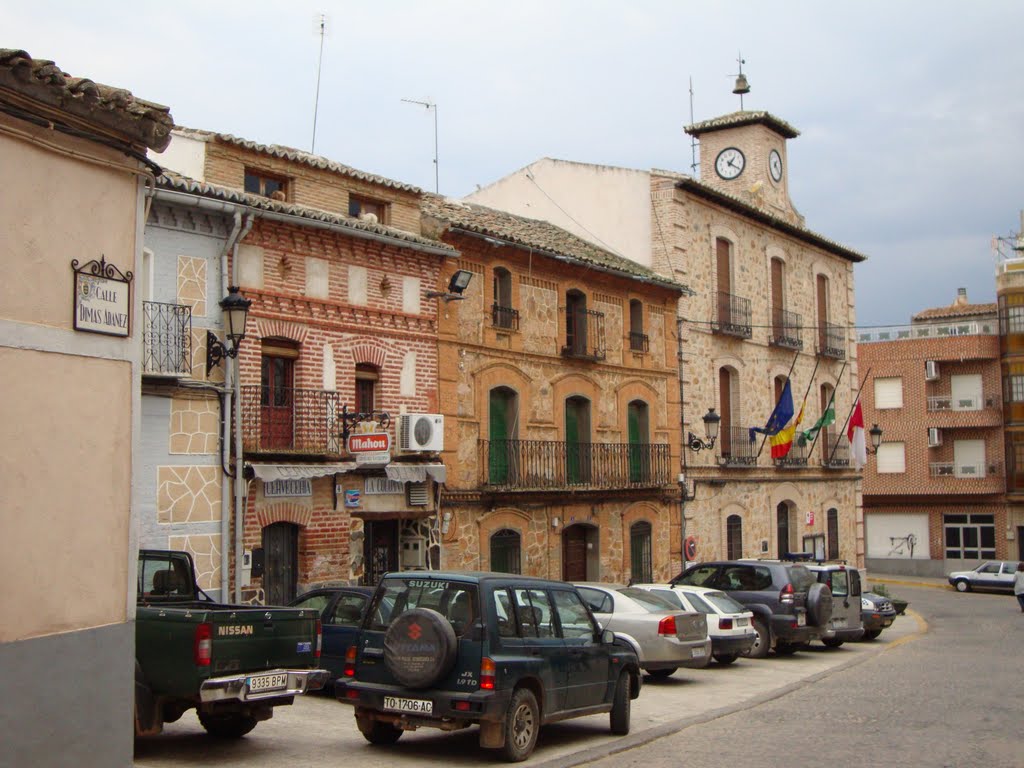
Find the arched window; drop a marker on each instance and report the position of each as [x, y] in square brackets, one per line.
[502, 313]
[503, 431]
[782, 528]
[637, 338]
[506, 551]
[577, 440]
[734, 537]
[367, 377]
[640, 569]
[833, 534]
[639, 439]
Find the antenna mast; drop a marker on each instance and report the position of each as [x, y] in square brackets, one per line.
[320, 27]
[693, 139]
[430, 105]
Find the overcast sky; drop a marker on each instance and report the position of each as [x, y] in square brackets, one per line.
[911, 113]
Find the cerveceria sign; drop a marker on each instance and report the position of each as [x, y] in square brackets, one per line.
[102, 298]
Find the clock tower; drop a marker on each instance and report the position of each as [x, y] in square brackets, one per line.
[744, 155]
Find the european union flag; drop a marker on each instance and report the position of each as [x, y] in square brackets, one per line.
[780, 416]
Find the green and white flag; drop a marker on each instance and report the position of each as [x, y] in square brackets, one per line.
[827, 418]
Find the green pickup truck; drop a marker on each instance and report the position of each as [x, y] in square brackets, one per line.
[232, 663]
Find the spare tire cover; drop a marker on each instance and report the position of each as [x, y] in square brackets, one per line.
[819, 604]
[420, 648]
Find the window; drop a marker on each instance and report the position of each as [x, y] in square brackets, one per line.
[725, 399]
[364, 207]
[723, 264]
[348, 611]
[891, 458]
[504, 613]
[827, 436]
[640, 552]
[1015, 461]
[277, 375]
[969, 537]
[366, 388]
[1014, 388]
[888, 392]
[505, 551]
[822, 303]
[536, 615]
[839, 584]
[502, 313]
[833, 533]
[577, 440]
[639, 438]
[734, 537]
[576, 323]
[265, 185]
[572, 615]
[1014, 320]
[638, 341]
[503, 447]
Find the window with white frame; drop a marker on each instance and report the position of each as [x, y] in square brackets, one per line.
[891, 458]
[888, 392]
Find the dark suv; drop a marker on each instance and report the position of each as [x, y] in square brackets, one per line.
[447, 650]
[790, 607]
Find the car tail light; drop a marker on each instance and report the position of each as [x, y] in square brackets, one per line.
[351, 693]
[202, 648]
[319, 639]
[487, 674]
[787, 595]
[461, 706]
[350, 661]
[667, 626]
[725, 623]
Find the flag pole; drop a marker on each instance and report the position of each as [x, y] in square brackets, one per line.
[850, 414]
[790, 373]
[830, 401]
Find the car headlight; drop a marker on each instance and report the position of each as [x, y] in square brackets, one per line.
[866, 605]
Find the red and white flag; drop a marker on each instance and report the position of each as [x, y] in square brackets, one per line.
[855, 432]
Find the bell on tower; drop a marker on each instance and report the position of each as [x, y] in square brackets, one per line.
[742, 86]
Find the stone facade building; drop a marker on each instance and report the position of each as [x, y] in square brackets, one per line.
[934, 497]
[559, 387]
[75, 178]
[770, 298]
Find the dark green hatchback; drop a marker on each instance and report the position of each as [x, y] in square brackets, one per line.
[448, 650]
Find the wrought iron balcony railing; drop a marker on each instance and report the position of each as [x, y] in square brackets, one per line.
[287, 420]
[835, 451]
[505, 317]
[638, 342]
[735, 448]
[785, 329]
[969, 403]
[733, 316]
[797, 456]
[584, 336]
[974, 471]
[831, 341]
[551, 465]
[166, 339]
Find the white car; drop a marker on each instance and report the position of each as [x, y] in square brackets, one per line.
[729, 626]
[995, 574]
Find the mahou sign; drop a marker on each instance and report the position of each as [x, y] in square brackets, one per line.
[369, 442]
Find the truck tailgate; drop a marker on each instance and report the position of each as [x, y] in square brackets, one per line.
[255, 639]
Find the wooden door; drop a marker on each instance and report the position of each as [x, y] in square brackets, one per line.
[724, 269]
[822, 285]
[725, 400]
[380, 549]
[777, 300]
[501, 412]
[639, 457]
[277, 420]
[574, 553]
[281, 548]
[577, 440]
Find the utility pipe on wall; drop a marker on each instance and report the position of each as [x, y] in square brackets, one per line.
[241, 486]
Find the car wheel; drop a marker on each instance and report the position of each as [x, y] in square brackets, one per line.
[661, 674]
[522, 723]
[227, 726]
[380, 733]
[620, 706]
[786, 649]
[725, 658]
[762, 644]
[872, 634]
[831, 642]
[962, 585]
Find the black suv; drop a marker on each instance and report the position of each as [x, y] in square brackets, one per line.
[447, 650]
[790, 607]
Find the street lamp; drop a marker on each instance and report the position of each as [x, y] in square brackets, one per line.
[711, 423]
[876, 438]
[458, 284]
[236, 310]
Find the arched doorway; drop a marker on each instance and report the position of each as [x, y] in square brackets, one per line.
[280, 572]
[782, 529]
[734, 537]
[581, 553]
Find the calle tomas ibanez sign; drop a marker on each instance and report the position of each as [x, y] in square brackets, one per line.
[102, 298]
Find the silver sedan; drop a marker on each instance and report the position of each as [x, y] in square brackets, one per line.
[663, 637]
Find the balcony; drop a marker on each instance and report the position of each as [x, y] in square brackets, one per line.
[505, 318]
[969, 403]
[550, 465]
[733, 316]
[735, 448]
[584, 338]
[930, 331]
[785, 329]
[977, 471]
[831, 341]
[797, 457]
[166, 339]
[638, 342]
[836, 454]
[291, 421]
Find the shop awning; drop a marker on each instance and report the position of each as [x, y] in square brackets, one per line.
[270, 472]
[416, 473]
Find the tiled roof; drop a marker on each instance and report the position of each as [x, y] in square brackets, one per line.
[746, 209]
[178, 183]
[737, 119]
[539, 235]
[141, 123]
[956, 311]
[297, 156]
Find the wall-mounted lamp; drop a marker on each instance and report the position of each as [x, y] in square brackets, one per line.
[236, 310]
[711, 423]
[458, 284]
[446, 523]
[554, 522]
[876, 438]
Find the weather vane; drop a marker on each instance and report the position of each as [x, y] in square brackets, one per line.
[741, 80]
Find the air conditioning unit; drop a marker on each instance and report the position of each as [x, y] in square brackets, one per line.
[931, 370]
[414, 553]
[421, 432]
[934, 437]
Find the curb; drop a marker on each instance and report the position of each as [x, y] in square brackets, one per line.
[908, 583]
[626, 743]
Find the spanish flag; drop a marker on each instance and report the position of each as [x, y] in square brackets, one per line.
[782, 441]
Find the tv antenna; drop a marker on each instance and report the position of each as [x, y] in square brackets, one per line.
[319, 28]
[693, 139]
[430, 105]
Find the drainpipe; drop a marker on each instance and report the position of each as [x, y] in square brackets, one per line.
[241, 486]
[682, 445]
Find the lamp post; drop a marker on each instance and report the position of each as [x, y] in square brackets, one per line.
[711, 423]
[236, 310]
[876, 438]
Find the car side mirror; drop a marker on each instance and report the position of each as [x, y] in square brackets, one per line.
[607, 637]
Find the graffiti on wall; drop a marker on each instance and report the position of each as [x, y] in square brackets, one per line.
[902, 546]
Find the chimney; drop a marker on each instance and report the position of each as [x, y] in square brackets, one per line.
[961, 297]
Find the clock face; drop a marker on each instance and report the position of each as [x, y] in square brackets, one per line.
[730, 163]
[775, 165]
